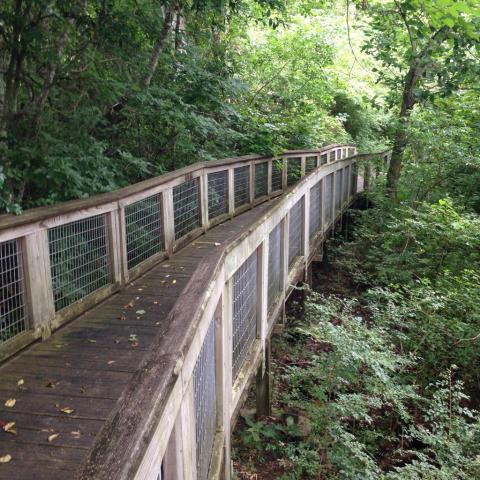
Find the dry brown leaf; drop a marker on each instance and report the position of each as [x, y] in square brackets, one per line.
[20, 382]
[130, 304]
[10, 403]
[10, 427]
[51, 384]
[76, 434]
[52, 437]
[5, 458]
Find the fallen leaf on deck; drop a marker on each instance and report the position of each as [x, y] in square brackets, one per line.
[10, 403]
[135, 344]
[5, 458]
[90, 340]
[10, 427]
[140, 312]
[137, 298]
[140, 289]
[51, 384]
[130, 304]
[21, 382]
[111, 362]
[59, 345]
[155, 302]
[52, 437]
[117, 340]
[174, 281]
[75, 433]
[67, 410]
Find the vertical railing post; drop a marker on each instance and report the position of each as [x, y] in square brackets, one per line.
[226, 368]
[187, 415]
[306, 226]
[204, 200]
[252, 183]
[38, 282]
[231, 192]
[269, 176]
[168, 220]
[284, 172]
[115, 242]
[303, 165]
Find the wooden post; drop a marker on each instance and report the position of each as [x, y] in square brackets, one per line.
[303, 166]
[269, 177]
[168, 220]
[38, 282]
[252, 182]
[187, 415]
[115, 242]
[284, 172]
[203, 181]
[263, 384]
[226, 367]
[306, 226]
[231, 191]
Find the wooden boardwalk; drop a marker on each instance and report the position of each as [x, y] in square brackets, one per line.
[132, 323]
[71, 385]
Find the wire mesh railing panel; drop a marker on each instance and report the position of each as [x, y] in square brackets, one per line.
[261, 179]
[294, 170]
[144, 229]
[186, 207]
[277, 173]
[217, 194]
[338, 190]
[315, 215]
[274, 265]
[346, 177]
[332, 156]
[324, 159]
[351, 152]
[13, 310]
[244, 311]
[295, 232]
[241, 186]
[205, 400]
[79, 259]
[353, 178]
[310, 164]
[328, 198]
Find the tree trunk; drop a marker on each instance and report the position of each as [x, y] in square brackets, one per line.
[158, 47]
[400, 139]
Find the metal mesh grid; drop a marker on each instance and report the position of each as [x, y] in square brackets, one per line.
[144, 230]
[277, 171]
[241, 186]
[295, 232]
[338, 190]
[261, 179]
[294, 170]
[310, 164]
[328, 198]
[244, 311]
[13, 311]
[351, 152]
[186, 207]
[315, 208]
[79, 259]
[323, 159]
[204, 394]
[274, 265]
[332, 156]
[346, 176]
[353, 177]
[217, 194]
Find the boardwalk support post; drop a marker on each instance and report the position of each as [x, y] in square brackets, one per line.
[263, 387]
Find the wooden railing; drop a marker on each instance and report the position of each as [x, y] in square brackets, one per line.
[56, 262]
